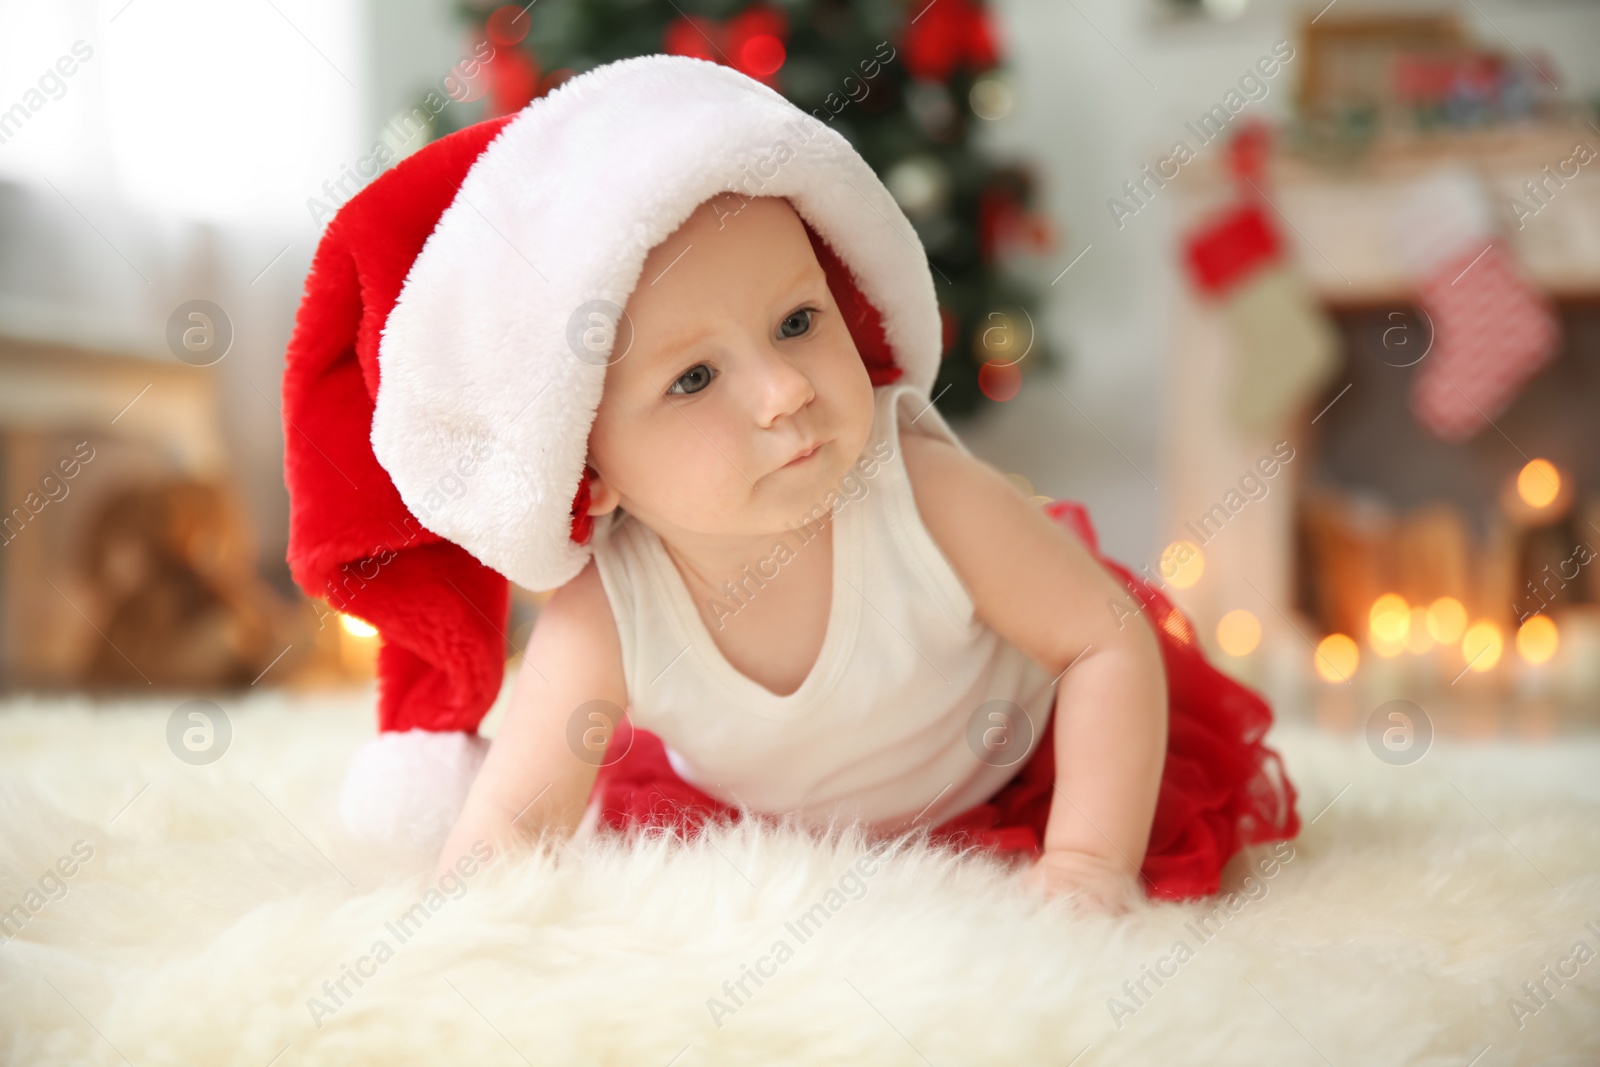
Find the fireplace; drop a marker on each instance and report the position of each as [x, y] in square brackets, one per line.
[1380, 563]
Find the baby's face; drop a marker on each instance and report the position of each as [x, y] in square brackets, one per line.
[739, 360]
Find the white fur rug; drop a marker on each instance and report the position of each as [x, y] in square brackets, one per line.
[207, 906]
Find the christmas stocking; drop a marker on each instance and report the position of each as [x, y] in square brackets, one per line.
[1287, 350]
[1491, 330]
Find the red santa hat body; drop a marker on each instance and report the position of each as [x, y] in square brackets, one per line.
[449, 356]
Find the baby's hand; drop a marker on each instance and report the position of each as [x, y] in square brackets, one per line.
[1096, 883]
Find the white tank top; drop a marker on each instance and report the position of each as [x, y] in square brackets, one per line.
[892, 719]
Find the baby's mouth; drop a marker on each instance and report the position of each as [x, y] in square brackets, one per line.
[804, 456]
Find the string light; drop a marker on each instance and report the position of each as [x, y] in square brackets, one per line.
[1538, 483]
[1337, 658]
[1182, 564]
[1481, 645]
[1537, 639]
[1447, 620]
[1239, 632]
[357, 627]
[1388, 624]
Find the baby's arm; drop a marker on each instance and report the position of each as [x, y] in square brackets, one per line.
[531, 780]
[1035, 584]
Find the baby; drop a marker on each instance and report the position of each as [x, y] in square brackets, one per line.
[665, 345]
[735, 403]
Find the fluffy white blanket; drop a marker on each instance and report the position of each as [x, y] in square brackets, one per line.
[1442, 913]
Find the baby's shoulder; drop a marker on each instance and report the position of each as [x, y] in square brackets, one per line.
[966, 504]
[576, 636]
[938, 471]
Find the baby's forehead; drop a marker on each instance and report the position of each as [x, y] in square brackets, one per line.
[714, 265]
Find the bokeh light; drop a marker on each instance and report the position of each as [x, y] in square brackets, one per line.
[1337, 658]
[357, 627]
[1537, 639]
[761, 55]
[508, 25]
[1178, 627]
[1388, 624]
[1447, 620]
[1538, 483]
[999, 381]
[1238, 632]
[1182, 564]
[1481, 645]
[991, 98]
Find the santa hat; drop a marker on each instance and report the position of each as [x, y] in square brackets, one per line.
[440, 387]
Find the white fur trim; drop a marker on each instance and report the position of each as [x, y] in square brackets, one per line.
[483, 410]
[1441, 216]
[408, 787]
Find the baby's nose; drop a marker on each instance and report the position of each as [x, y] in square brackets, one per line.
[783, 388]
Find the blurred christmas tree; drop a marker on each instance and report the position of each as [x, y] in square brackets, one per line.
[902, 80]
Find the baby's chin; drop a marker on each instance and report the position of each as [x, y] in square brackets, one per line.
[780, 501]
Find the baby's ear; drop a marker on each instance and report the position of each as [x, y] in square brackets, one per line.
[603, 497]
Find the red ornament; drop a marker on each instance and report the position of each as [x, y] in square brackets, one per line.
[692, 35]
[1004, 224]
[1247, 154]
[752, 42]
[947, 34]
[999, 381]
[513, 81]
[508, 25]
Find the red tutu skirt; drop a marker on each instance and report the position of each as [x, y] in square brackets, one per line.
[1221, 787]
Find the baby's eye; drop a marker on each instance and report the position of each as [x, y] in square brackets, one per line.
[698, 376]
[804, 315]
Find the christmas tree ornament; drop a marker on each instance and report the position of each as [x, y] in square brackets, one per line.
[991, 98]
[752, 42]
[933, 110]
[947, 36]
[999, 381]
[1492, 330]
[919, 184]
[513, 78]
